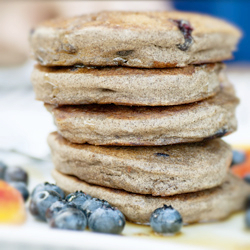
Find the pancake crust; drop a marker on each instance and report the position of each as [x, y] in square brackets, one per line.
[133, 39]
[126, 86]
[160, 171]
[148, 126]
[208, 205]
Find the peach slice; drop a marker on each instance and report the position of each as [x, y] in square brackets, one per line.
[12, 208]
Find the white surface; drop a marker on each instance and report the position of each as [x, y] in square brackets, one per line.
[240, 77]
[33, 236]
[24, 123]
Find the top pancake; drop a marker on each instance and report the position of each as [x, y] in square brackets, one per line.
[133, 39]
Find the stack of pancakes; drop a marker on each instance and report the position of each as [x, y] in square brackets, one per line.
[140, 100]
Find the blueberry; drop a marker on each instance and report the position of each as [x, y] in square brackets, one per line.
[161, 155]
[41, 201]
[78, 198]
[47, 187]
[238, 157]
[247, 203]
[22, 188]
[15, 174]
[247, 218]
[247, 178]
[57, 207]
[106, 220]
[166, 220]
[3, 167]
[91, 205]
[186, 29]
[71, 219]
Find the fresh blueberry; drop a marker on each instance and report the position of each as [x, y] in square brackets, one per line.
[89, 206]
[22, 188]
[166, 220]
[78, 198]
[247, 178]
[238, 157]
[3, 167]
[71, 219]
[247, 203]
[106, 220]
[57, 207]
[41, 201]
[247, 218]
[15, 174]
[47, 187]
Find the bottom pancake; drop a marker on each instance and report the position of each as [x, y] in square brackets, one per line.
[208, 205]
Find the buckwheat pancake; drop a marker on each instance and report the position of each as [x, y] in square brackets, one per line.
[160, 171]
[148, 126]
[134, 39]
[126, 86]
[203, 206]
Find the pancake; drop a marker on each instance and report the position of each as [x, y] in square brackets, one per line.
[208, 205]
[134, 39]
[148, 126]
[160, 171]
[126, 86]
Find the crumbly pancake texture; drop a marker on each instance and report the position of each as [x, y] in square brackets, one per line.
[126, 86]
[148, 126]
[203, 206]
[134, 39]
[160, 171]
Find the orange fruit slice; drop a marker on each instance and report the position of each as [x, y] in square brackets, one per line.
[12, 208]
